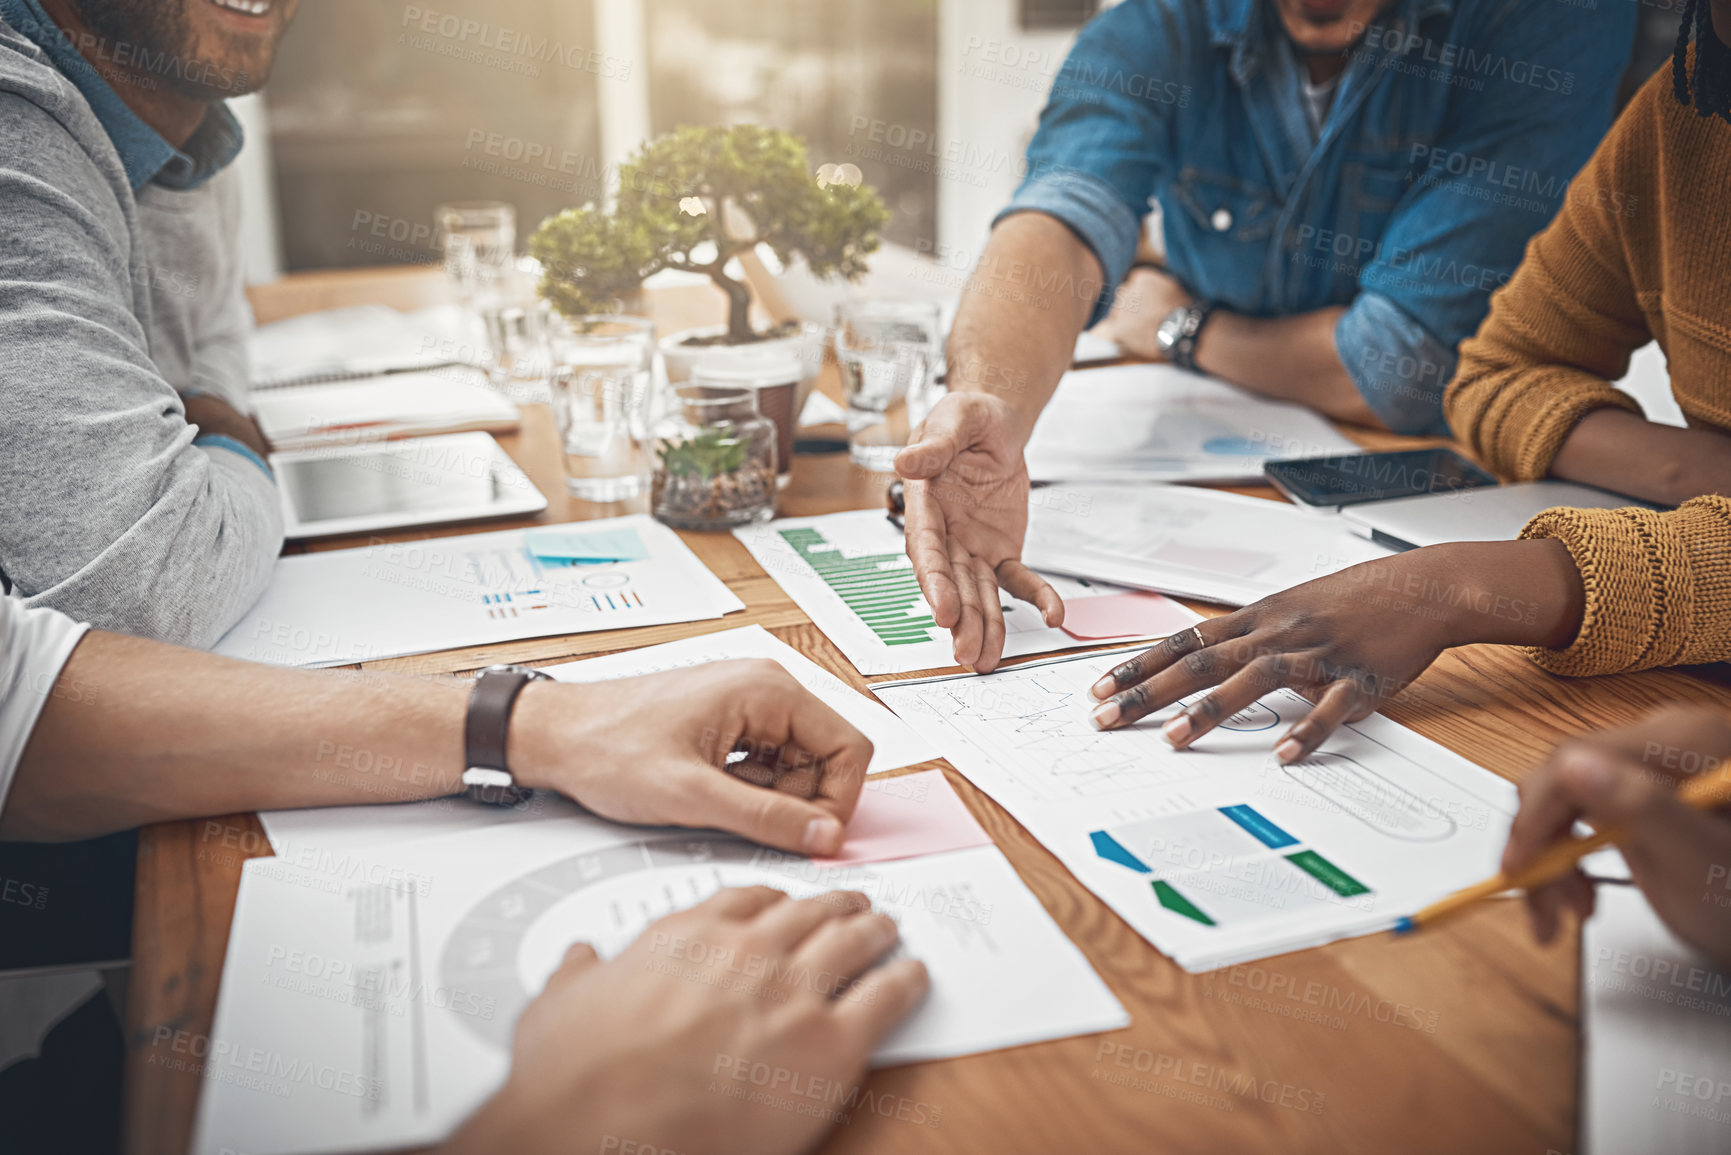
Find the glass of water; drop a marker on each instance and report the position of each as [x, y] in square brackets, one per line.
[479, 240]
[888, 350]
[601, 373]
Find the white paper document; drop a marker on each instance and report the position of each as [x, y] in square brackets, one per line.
[1656, 1033]
[1187, 542]
[894, 743]
[1219, 854]
[1160, 423]
[357, 828]
[1094, 346]
[367, 1003]
[850, 573]
[384, 601]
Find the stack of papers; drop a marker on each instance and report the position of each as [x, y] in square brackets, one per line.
[450, 400]
[391, 599]
[369, 999]
[1160, 423]
[369, 372]
[363, 341]
[1188, 542]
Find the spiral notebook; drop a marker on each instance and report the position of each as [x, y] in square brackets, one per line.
[366, 374]
[347, 344]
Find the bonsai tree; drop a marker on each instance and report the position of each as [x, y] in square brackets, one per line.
[730, 187]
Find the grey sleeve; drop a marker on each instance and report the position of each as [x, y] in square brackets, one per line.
[108, 511]
[220, 363]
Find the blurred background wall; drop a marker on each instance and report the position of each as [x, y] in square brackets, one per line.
[379, 110]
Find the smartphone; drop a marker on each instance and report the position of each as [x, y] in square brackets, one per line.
[1353, 478]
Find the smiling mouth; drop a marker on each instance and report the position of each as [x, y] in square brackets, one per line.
[245, 7]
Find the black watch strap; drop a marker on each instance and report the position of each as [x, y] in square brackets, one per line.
[488, 775]
[1184, 351]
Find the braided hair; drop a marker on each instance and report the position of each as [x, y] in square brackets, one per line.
[1712, 79]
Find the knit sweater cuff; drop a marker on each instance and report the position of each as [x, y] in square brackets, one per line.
[1554, 408]
[1658, 586]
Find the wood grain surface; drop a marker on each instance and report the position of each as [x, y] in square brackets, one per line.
[1463, 1039]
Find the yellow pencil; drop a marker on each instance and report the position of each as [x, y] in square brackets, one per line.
[1703, 792]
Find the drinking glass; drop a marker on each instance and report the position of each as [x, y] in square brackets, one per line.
[516, 333]
[887, 349]
[600, 371]
[479, 239]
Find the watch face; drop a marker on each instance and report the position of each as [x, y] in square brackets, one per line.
[1171, 329]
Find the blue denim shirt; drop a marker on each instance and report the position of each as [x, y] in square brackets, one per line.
[1452, 137]
[144, 153]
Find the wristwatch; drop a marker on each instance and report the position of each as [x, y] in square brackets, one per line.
[1178, 333]
[488, 778]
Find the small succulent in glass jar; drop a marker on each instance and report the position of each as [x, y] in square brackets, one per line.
[714, 462]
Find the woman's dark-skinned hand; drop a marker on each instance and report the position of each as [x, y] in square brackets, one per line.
[1349, 641]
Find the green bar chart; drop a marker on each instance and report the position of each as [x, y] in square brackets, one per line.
[878, 588]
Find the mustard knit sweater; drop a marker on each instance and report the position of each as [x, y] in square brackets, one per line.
[1641, 250]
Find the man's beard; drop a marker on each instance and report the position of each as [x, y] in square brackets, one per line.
[162, 45]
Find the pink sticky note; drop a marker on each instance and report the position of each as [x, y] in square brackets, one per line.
[906, 816]
[1126, 615]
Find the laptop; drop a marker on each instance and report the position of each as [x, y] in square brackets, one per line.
[1489, 514]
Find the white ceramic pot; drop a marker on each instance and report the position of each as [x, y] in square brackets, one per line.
[806, 346]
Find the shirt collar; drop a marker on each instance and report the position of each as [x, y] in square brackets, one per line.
[144, 153]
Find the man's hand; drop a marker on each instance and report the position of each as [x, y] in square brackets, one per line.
[966, 491]
[656, 750]
[1627, 778]
[1143, 301]
[213, 416]
[657, 1046]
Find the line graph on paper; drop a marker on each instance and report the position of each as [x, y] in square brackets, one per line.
[1032, 723]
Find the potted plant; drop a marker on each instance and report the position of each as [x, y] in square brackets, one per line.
[714, 461]
[695, 200]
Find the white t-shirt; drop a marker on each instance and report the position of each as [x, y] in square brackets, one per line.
[1317, 98]
[34, 646]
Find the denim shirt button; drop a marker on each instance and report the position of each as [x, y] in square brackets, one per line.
[1221, 220]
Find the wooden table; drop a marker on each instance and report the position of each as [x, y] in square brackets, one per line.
[1464, 1039]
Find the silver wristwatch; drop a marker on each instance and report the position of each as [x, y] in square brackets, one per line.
[1178, 333]
[488, 776]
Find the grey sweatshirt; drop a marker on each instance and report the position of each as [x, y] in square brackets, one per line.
[111, 304]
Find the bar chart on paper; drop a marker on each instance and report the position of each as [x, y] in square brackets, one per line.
[515, 583]
[1219, 853]
[391, 599]
[850, 573]
[879, 588]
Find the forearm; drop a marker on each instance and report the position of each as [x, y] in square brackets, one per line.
[138, 732]
[1287, 358]
[1620, 451]
[215, 416]
[1015, 331]
[1512, 593]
